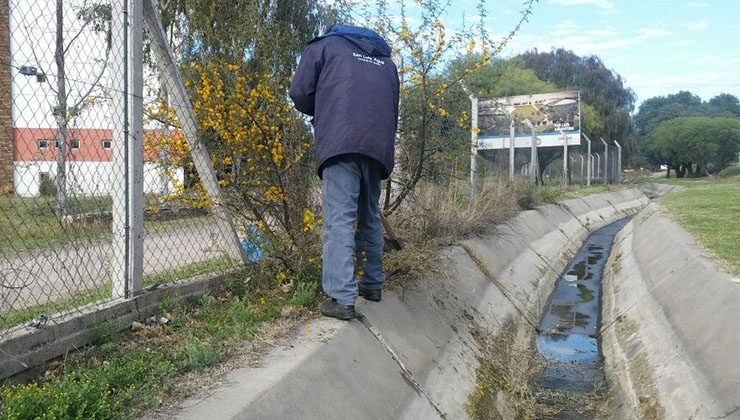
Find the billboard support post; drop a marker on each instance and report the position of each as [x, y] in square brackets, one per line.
[533, 161]
[512, 134]
[565, 158]
[581, 156]
[598, 165]
[590, 165]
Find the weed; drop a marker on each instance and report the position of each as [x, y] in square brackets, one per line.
[164, 305]
[197, 354]
[241, 317]
[304, 294]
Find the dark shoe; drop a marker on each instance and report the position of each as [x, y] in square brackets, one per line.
[370, 294]
[335, 310]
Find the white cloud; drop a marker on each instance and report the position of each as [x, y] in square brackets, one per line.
[565, 28]
[653, 33]
[596, 41]
[696, 25]
[704, 85]
[606, 6]
[697, 4]
[682, 43]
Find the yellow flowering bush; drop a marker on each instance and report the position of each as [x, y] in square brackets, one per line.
[257, 144]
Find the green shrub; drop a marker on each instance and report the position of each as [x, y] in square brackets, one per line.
[47, 186]
[100, 390]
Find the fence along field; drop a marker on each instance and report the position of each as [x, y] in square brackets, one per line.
[94, 204]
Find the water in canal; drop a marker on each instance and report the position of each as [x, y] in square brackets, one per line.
[568, 337]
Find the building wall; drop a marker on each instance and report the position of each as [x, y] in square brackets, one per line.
[90, 178]
[6, 103]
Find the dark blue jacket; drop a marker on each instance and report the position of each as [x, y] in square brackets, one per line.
[347, 81]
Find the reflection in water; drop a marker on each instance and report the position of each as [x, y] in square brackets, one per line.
[586, 294]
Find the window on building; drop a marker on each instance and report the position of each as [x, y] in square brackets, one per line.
[43, 144]
[74, 143]
[106, 144]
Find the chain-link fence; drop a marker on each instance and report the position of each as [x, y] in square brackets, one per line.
[96, 201]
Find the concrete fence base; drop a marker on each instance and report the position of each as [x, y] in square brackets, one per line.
[24, 349]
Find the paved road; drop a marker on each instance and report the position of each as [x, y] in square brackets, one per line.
[52, 273]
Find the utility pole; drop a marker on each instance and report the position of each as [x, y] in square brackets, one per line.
[590, 165]
[61, 115]
[606, 161]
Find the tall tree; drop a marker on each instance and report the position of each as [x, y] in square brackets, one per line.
[696, 145]
[657, 110]
[724, 104]
[600, 87]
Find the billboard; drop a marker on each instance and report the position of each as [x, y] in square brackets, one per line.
[556, 117]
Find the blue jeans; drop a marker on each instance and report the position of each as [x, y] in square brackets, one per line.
[352, 226]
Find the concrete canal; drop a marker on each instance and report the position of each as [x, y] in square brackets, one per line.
[568, 331]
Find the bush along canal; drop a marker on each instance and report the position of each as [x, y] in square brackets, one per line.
[568, 339]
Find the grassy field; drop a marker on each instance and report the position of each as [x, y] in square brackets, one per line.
[710, 211]
[103, 292]
[27, 224]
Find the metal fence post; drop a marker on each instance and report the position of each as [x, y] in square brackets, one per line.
[619, 162]
[473, 137]
[128, 160]
[589, 169]
[606, 161]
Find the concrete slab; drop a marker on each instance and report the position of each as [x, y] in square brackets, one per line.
[675, 305]
[427, 324]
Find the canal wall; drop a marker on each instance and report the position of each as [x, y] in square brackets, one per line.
[416, 354]
[670, 336]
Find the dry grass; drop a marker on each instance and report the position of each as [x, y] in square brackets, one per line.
[508, 367]
[506, 379]
[446, 213]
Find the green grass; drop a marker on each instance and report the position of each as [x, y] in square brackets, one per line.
[21, 316]
[127, 374]
[27, 224]
[710, 211]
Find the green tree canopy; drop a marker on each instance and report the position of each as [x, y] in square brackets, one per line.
[654, 111]
[709, 142]
[600, 87]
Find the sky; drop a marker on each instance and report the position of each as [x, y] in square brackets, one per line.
[659, 47]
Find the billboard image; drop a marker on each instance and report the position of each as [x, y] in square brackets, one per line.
[556, 117]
